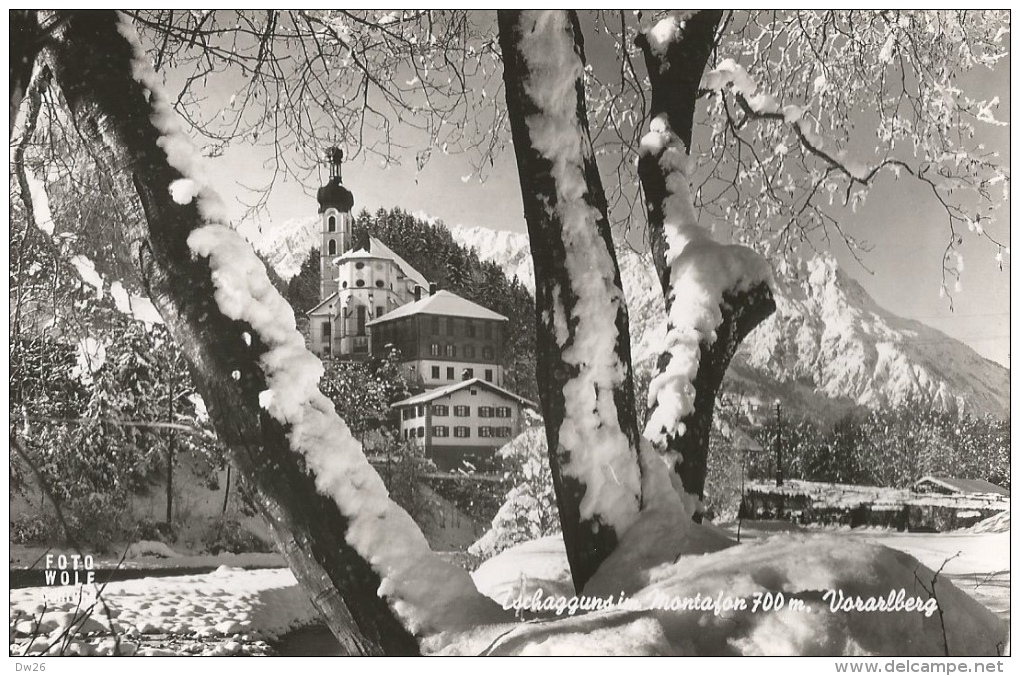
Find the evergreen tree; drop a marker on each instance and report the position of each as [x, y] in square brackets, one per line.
[303, 288]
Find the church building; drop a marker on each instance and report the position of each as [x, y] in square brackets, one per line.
[372, 300]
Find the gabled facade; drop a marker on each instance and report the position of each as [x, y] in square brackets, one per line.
[443, 339]
[464, 422]
[370, 283]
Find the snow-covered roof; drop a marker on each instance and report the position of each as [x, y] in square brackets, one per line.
[441, 303]
[432, 395]
[963, 485]
[328, 299]
[358, 254]
[379, 249]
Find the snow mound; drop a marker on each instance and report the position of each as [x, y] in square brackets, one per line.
[786, 595]
[993, 524]
[526, 568]
[150, 548]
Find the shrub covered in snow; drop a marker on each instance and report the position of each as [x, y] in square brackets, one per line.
[529, 511]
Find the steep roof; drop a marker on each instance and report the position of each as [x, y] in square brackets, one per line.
[964, 485]
[379, 249]
[441, 303]
[432, 395]
[328, 299]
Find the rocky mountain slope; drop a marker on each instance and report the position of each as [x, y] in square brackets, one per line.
[829, 346]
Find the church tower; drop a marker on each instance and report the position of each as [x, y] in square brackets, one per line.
[335, 205]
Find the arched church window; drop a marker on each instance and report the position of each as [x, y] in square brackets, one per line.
[331, 223]
[332, 247]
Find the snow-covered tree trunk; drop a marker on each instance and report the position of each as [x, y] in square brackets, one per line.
[583, 340]
[715, 295]
[363, 562]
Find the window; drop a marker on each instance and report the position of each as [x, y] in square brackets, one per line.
[361, 320]
[485, 432]
[440, 431]
[474, 392]
[440, 410]
[451, 350]
[421, 409]
[449, 326]
[435, 325]
[449, 373]
[331, 224]
[408, 413]
[413, 432]
[502, 411]
[468, 375]
[407, 434]
[485, 411]
[502, 432]
[488, 330]
[488, 375]
[345, 285]
[421, 431]
[434, 349]
[359, 266]
[469, 352]
[435, 373]
[379, 310]
[359, 283]
[331, 247]
[487, 352]
[462, 411]
[462, 432]
[379, 283]
[325, 331]
[469, 329]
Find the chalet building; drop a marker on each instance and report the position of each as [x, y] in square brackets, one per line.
[371, 300]
[467, 421]
[443, 339]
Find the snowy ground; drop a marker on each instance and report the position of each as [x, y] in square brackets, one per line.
[236, 611]
[228, 611]
[975, 560]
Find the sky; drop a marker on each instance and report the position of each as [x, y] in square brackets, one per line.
[904, 227]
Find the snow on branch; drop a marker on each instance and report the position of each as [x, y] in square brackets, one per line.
[756, 105]
[700, 272]
[600, 454]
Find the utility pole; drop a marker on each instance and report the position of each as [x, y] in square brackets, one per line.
[170, 455]
[779, 443]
